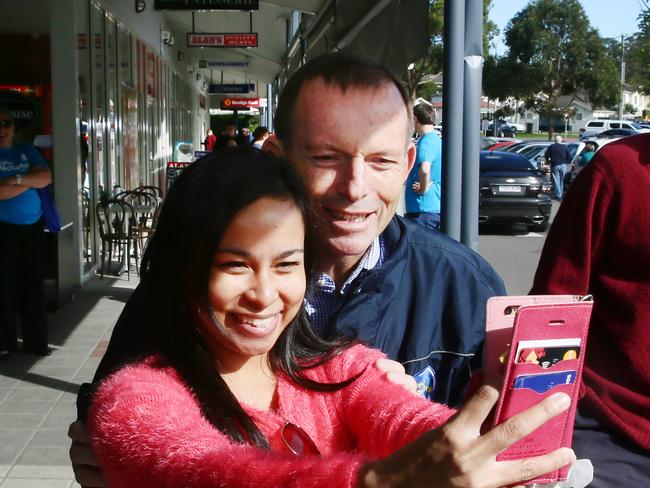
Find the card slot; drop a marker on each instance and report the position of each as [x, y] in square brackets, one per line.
[532, 368]
[519, 399]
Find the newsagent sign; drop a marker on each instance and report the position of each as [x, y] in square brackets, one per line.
[206, 5]
[221, 40]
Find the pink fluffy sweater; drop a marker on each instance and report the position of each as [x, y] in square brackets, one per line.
[148, 431]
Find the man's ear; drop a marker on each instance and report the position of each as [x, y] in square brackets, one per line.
[410, 158]
[274, 146]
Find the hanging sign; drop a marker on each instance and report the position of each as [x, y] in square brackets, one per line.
[237, 103]
[231, 88]
[206, 5]
[221, 39]
[223, 64]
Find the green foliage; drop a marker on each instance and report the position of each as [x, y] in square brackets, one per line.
[640, 55]
[431, 64]
[629, 109]
[553, 52]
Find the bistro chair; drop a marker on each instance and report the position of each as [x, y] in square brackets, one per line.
[116, 219]
[145, 206]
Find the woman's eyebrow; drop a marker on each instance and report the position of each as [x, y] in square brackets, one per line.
[241, 252]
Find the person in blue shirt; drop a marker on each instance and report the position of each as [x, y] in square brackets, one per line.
[22, 253]
[423, 184]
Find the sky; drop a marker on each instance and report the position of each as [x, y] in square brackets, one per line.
[611, 17]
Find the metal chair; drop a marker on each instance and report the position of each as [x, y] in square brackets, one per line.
[116, 219]
[145, 205]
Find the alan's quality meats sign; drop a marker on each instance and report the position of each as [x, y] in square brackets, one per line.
[222, 40]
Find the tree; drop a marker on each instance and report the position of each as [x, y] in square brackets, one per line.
[431, 64]
[552, 47]
[641, 53]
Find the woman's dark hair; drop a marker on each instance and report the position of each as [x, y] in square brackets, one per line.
[176, 267]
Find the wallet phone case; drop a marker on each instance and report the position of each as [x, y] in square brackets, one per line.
[541, 326]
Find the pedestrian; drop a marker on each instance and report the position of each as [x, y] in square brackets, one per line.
[423, 186]
[599, 244]
[22, 243]
[245, 138]
[228, 138]
[558, 156]
[248, 394]
[587, 154]
[260, 134]
[210, 141]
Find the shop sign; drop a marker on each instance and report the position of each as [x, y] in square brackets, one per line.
[22, 108]
[237, 103]
[216, 39]
[224, 64]
[231, 88]
[32, 90]
[206, 5]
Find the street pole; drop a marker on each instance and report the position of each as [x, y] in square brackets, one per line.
[620, 105]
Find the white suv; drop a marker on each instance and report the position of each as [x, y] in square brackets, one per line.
[596, 126]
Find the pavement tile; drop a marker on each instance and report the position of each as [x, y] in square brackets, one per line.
[27, 406]
[17, 437]
[20, 421]
[51, 438]
[58, 421]
[35, 483]
[43, 462]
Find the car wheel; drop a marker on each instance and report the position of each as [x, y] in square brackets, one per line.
[541, 227]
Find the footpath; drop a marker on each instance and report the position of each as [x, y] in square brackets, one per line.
[37, 394]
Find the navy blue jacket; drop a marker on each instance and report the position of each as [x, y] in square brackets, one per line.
[424, 307]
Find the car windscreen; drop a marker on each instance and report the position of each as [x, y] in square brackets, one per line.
[500, 162]
[531, 151]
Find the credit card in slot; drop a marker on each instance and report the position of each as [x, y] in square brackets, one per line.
[546, 353]
[543, 382]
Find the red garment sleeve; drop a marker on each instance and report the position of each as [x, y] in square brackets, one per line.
[384, 416]
[147, 431]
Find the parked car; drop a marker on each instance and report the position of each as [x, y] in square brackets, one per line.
[513, 190]
[504, 129]
[596, 126]
[613, 134]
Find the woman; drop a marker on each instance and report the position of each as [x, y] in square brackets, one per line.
[22, 253]
[250, 396]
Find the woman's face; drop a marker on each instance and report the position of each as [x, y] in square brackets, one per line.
[6, 131]
[257, 282]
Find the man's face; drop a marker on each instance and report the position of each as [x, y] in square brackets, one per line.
[230, 130]
[351, 151]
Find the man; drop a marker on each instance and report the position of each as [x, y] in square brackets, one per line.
[558, 156]
[423, 184]
[228, 136]
[245, 137]
[260, 134]
[600, 244]
[417, 295]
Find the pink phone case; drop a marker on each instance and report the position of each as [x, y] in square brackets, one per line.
[550, 317]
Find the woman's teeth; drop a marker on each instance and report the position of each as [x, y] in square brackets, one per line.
[257, 322]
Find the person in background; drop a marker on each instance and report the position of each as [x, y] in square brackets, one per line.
[228, 134]
[260, 134]
[245, 138]
[248, 394]
[423, 186]
[599, 244]
[558, 156]
[587, 154]
[22, 242]
[210, 141]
